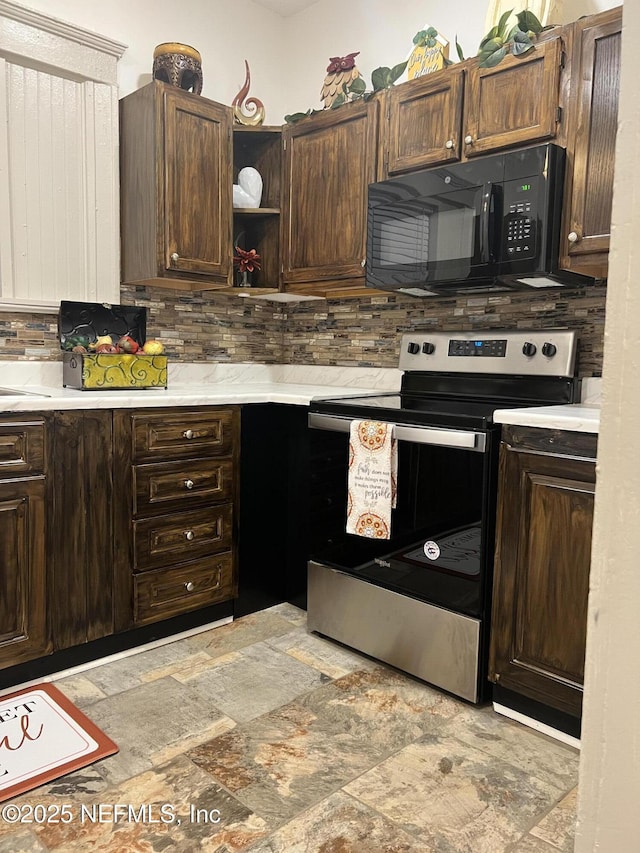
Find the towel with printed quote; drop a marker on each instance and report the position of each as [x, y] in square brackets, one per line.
[373, 465]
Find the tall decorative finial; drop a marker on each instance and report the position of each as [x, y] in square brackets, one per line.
[256, 116]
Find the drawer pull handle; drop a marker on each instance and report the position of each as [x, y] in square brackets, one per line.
[449, 143]
[189, 484]
[468, 139]
[188, 433]
[189, 586]
[189, 534]
[175, 257]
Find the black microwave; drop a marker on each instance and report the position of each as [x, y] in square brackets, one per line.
[489, 224]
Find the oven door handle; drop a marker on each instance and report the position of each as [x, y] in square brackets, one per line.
[455, 438]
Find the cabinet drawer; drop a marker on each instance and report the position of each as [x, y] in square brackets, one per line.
[182, 434]
[21, 447]
[180, 485]
[163, 593]
[551, 441]
[170, 539]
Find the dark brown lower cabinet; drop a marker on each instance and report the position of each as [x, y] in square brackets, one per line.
[24, 633]
[176, 490]
[81, 536]
[111, 520]
[543, 552]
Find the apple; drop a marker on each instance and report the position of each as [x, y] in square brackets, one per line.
[128, 345]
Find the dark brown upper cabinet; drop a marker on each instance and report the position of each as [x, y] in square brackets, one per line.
[176, 189]
[329, 161]
[465, 111]
[422, 122]
[595, 82]
[513, 103]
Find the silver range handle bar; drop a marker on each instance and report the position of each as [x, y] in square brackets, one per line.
[455, 438]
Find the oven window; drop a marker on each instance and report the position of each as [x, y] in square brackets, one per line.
[436, 552]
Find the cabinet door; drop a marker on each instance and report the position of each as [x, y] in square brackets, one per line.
[513, 103]
[82, 537]
[587, 221]
[541, 581]
[198, 186]
[23, 625]
[424, 119]
[329, 160]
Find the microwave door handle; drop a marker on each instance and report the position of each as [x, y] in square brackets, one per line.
[485, 223]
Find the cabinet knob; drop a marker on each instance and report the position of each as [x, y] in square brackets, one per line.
[188, 433]
[468, 139]
[363, 262]
[189, 586]
[449, 143]
[175, 257]
[189, 534]
[189, 484]
[573, 236]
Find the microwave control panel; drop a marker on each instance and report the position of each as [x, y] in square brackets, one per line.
[519, 228]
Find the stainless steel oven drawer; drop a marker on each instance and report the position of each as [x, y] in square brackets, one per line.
[434, 644]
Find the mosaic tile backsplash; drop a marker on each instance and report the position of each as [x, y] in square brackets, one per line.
[348, 332]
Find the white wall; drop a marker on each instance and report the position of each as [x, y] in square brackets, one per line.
[383, 30]
[287, 56]
[610, 759]
[226, 32]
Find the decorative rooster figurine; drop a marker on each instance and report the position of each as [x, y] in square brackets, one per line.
[342, 72]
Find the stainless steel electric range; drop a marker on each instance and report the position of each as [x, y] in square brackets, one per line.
[421, 600]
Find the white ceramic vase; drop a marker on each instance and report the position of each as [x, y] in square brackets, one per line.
[248, 191]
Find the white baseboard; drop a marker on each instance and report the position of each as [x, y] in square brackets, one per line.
[537, 725]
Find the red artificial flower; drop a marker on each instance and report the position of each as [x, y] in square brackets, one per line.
[246, 261]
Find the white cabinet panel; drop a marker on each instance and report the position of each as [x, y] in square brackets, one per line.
[58, 170]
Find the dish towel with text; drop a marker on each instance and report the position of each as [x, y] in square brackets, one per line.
[373, 466]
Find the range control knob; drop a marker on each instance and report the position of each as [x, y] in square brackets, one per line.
[549, 349]
[428, 348]
[413, 348]
[529, 349]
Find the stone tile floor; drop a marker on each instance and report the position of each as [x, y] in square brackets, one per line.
[257, 736]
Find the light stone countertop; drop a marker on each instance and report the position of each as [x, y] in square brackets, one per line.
[186, 395]
[212, 384]
[194, 385]
[575, 417]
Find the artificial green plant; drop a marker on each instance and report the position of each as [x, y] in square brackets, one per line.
[500, 40]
